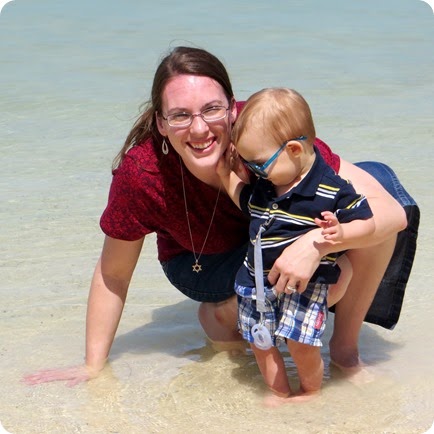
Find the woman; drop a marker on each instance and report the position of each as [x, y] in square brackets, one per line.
[165, 182]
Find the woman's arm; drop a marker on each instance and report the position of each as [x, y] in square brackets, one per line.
[106, 300]
[107, 296]
[389, 215]
[300, 260]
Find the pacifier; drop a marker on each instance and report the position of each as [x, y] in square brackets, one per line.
[261, 337]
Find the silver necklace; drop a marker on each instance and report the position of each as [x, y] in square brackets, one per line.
[196, 266]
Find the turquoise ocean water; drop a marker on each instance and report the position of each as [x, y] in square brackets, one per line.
[72, 77]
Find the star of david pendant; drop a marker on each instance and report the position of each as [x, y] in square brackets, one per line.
[197, 267]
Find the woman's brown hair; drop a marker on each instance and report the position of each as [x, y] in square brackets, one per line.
[179, 61]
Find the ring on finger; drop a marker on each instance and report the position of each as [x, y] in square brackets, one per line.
[291, 289]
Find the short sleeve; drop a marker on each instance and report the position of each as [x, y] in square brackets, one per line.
[127, 215]
[352, 206]
[332, 159]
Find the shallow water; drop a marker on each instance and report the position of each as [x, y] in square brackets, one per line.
[72, 77]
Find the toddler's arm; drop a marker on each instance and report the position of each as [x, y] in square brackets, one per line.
[231, 181]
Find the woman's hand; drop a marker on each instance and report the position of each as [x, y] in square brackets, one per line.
[297, 263]
[72, 375]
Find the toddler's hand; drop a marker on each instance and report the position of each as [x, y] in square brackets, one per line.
[332, 229]
[224, 165]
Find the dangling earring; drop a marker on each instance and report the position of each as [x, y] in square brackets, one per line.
[164, 147]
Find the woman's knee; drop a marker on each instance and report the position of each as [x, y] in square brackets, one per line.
[222, 313]
[219, 320]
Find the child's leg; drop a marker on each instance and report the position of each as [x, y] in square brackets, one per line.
[272, 367]
[310, 366]
[337, 290]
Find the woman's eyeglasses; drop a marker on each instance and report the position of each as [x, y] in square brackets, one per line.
[259, 170]
[184, 119]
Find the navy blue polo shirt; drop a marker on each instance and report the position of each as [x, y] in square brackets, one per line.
[291, 215]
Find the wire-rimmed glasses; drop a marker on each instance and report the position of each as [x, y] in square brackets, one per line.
[185, 119]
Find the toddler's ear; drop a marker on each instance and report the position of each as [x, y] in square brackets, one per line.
[296, 148]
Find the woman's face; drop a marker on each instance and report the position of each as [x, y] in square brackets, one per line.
[200, 144]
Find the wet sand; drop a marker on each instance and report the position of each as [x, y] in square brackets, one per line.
[163, 378]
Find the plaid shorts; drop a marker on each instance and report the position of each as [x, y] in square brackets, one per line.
[299, 317]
